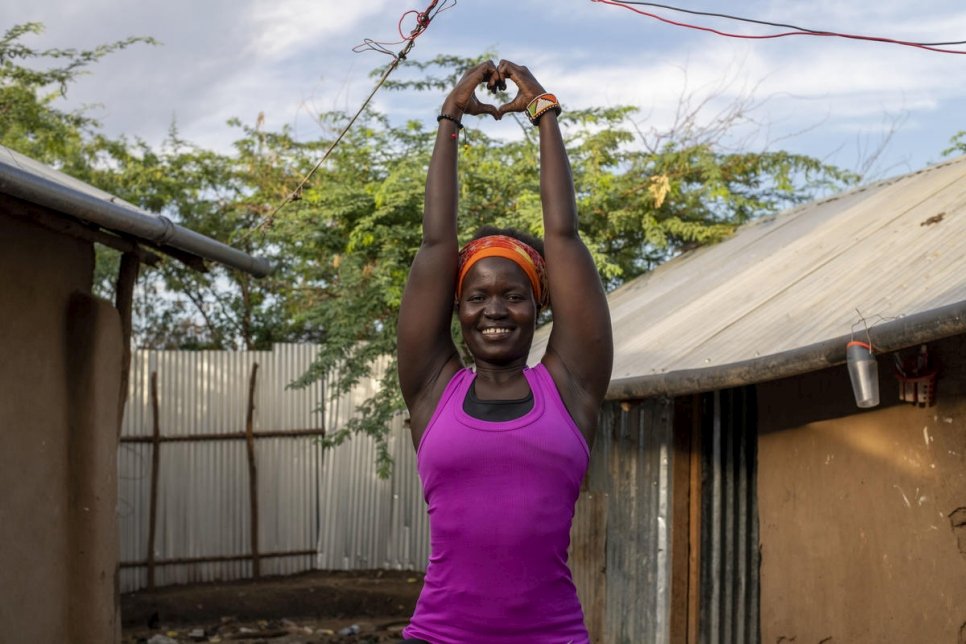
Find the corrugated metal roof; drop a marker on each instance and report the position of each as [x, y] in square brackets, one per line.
[34, 182]
[891, 249]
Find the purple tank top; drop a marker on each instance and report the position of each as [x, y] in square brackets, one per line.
[501, 500]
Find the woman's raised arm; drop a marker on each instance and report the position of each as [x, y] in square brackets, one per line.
[580, 350]
[427, 354]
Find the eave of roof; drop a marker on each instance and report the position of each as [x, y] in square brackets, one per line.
[31, 181]
[912, 330]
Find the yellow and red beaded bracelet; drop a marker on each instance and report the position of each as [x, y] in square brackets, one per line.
[540, 105]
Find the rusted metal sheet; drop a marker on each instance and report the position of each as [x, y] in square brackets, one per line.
[621, 536]
[588, 558]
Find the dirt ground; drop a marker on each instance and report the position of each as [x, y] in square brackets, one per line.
[318, 607]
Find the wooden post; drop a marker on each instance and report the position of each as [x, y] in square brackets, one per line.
[127, 275]
[155, 462]
[682, 429]
[694, 521]
[252, 472]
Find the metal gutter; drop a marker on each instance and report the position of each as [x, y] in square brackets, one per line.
[120, 217]
[911, 330]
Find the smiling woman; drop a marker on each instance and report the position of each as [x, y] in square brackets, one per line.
[501, 447]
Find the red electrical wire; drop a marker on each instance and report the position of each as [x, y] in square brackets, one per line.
[423, 18]
[796, 32]
[759, 22]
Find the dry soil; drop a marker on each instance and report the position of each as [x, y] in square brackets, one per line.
[318, 607]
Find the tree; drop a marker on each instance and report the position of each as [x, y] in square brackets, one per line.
[30, 120]
[957, 144]
[216, 194]
[343, 248]
[359, 220]
[223, 196]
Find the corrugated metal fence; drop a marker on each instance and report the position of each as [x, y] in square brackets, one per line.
[729, 534]
[314, 510]
[330, 511]
[622, 530]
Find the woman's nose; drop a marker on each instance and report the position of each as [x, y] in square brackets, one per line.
[495, 308]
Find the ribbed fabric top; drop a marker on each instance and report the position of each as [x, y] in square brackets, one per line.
[501, 501]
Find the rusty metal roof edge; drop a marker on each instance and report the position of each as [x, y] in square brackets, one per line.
[121, 217]
[926, 326]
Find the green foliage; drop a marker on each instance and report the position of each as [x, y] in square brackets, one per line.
[342, 250]
[449, 68]
[957, 144]
[225, 196]
[360, 219]
[31, 82]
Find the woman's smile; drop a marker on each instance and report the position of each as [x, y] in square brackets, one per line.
[496, 331]
[497, 311]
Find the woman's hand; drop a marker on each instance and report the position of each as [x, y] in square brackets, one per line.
[463, 100]
[528, 86]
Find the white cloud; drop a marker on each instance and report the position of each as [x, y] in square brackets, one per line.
[292, 59]
[286, 28]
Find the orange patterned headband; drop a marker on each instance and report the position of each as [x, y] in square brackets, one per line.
[523, 255]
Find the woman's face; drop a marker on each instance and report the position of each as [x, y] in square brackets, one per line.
[497, 311]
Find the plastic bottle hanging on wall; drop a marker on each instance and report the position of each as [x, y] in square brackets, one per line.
[863, 372]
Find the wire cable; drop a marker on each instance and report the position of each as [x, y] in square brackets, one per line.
[423, 20]
[766, 22]
[796, 30]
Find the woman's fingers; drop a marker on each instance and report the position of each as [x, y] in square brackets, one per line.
[496, 82]
[476, 107]
[495, 78]
[518, 104]
[519, 74]
[464, 94]
[528, 86]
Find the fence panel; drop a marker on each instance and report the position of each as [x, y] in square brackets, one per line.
[315, 510]
[328, 510]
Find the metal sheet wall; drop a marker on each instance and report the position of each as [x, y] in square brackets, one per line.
[620, 552]
[729, 519]
[332, 504]
[367, 523]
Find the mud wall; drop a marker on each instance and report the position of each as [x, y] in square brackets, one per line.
[59, 377]
[863, 533]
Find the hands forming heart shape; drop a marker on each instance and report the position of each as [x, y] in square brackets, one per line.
[463, 99]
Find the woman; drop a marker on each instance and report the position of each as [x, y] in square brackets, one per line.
[501, 449]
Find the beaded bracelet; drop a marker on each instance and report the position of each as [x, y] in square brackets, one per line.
[449, 118]
[542, 104]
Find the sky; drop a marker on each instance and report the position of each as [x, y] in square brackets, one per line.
[878, 108]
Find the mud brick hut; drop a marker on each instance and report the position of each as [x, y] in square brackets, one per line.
[63, 364]
[736, 492]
